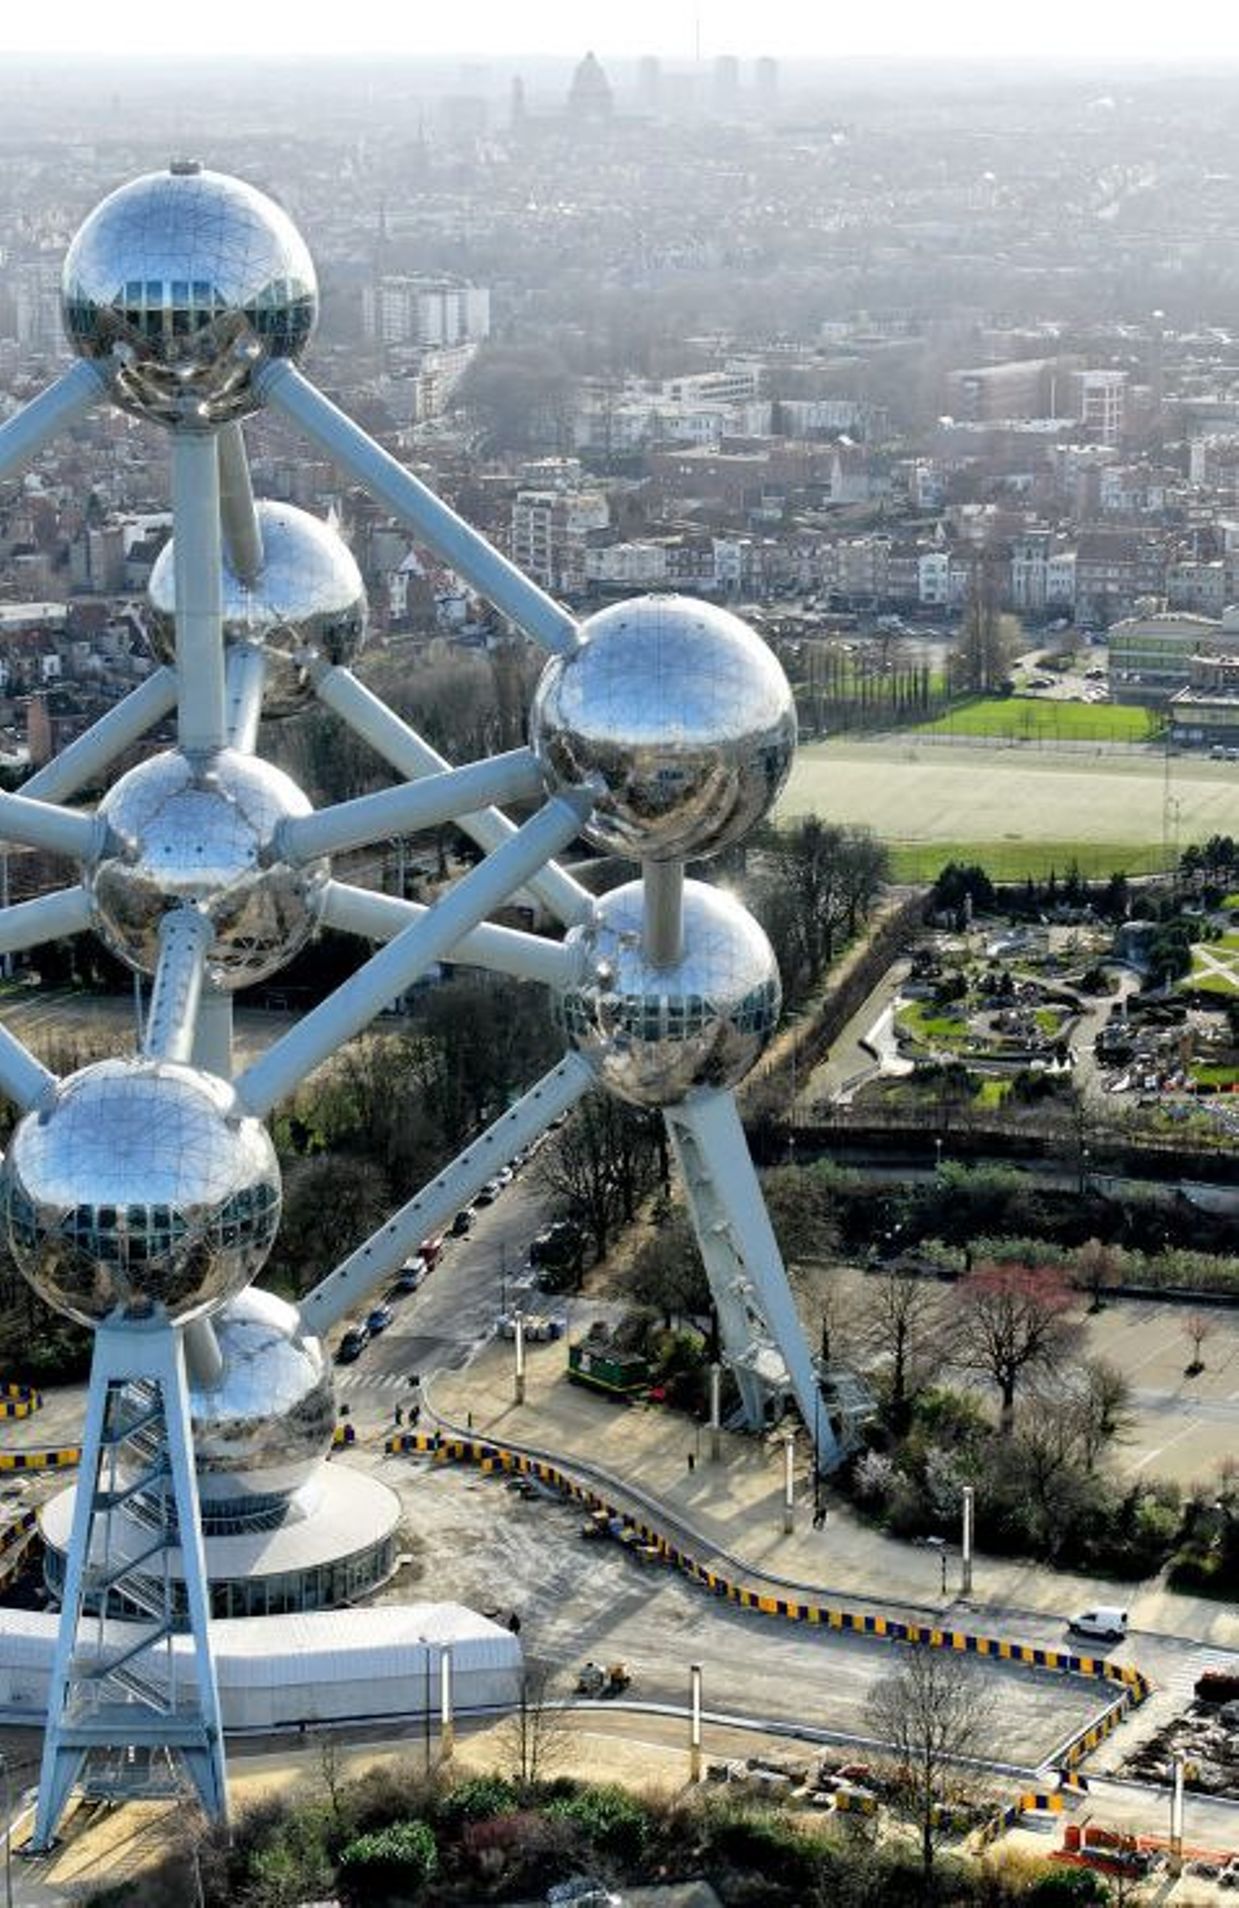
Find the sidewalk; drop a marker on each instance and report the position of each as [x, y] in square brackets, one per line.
[736, 1506]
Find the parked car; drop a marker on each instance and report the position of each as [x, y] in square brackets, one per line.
[489, 1193]
[462, 1223]
[379, 1319]
[1104, 1621]
[411, 1274]
[431, 1251]
[353, 1343]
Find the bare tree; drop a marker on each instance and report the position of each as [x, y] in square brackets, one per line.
[905, 1327]
[598, 1164]
[1098, 1268]
[1197, 1327]
[533, 1736]
[1012, 1319]
[932, 1714]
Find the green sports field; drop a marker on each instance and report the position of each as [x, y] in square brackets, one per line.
[1042, 719]
[1019, 813]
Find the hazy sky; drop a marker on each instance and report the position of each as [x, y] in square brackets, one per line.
[1058, 30]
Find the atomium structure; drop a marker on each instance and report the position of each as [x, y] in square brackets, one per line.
[141, 1195]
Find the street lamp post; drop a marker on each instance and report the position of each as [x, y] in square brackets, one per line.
[519, 1392]
[789, 1484]
[1178, 1768]
[716, 1412]
[694, 1726]
[8, 1832]
[447, 1714]
[965, 1569]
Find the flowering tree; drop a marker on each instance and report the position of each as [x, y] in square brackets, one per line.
[1013, 1319]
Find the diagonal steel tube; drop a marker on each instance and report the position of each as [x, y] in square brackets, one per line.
[411, 807]
[427, 516]
[58, 831]
[63, 403]
[388, 973]
[341, 692]
[48, 917]
[430, 1209]
[380, 917]
[242, 536]
[107, 738]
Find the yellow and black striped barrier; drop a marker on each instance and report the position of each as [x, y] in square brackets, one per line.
[19, 1401]
[1096, 1732]
[342, 1435]
[15, 1539]
[62, 1460]
[854, 1802]
[497, 1457]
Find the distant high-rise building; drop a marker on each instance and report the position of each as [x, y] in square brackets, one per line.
[1101, 404]
[589, 96]
[726, 89]
[766, 81]
[400, 310]
[649, 84]
[518, 104]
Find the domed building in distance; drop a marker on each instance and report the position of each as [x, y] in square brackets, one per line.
[589, 97]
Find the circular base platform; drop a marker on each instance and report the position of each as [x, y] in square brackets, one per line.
[337, 1543]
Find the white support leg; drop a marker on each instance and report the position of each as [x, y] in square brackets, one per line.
[757, 1313]
[122, 1695]
[122, 726]
[453, 540]
[246, 674]
[58, 831]
[61, 405]
[387, 974]
[380, 917]
[341, 692]
[242, 536]
[410, 807]
[197, 574]
[49, 917]
[341, 1291]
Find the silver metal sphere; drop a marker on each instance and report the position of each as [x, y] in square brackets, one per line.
[264, 1428]
[202, 834]
[679, 715]
[140, 1191]
[180, 286]
[653, 1035]
[309, 604]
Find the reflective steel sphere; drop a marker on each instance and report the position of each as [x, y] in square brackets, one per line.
[680, 716]
[263, 1430]
[180, 286]
[180, 833]
[654, 1034]
[309, 604]
[140, 1191]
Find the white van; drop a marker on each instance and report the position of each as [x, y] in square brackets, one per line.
[1105, 1621]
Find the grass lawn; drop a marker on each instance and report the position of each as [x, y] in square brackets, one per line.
[923, 1022]
[1216, 1076]
[1016, 861]
[1037, 718]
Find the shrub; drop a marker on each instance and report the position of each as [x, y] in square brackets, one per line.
[613, 1820]
[1064, 1887]
[479, 1798]
[391, 1860]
